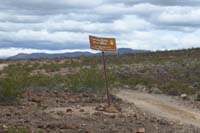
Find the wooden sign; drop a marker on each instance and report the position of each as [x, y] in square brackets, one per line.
[102, 44]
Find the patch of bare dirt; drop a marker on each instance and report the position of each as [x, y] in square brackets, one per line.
[162, 106]
[2, 66]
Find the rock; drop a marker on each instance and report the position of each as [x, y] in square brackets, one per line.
[81, 110]
[197, 97]
[111, 109]
[162, 122]
[126, 87]
[72, 101]
[83, 124]
[195, 85]
[26, 121]
[17, 113]
[142, 88]
[100, 108]
[155, 90]
[115, 98]
[66, 89]
[62, 101]
[84, 131]
[118, 107]
[105, 120]
[112, 116]
[60, 113]
[55, 92]
[61, 126]
[5, 127]
[34, 100]
[184, 96]
[8, 114]
[97, 113]
[69, 110]
[141, 130]
[85, 95]
[41, 126]
[135, 115]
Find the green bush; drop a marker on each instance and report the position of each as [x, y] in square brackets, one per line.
[12, 86]
[10, 90]
[132, 81]
[89, 80]
[176, 88]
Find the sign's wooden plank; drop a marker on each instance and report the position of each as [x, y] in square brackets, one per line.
[102, 44]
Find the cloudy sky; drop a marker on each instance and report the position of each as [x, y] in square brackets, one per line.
[50, 26]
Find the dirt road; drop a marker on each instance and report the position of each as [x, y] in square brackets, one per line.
[162, 106]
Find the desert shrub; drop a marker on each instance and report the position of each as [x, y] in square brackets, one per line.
[130, 80]
[89, 80]
[10, 90]
[176, 88]
[40, 80]
[12, 86]
[46, 81]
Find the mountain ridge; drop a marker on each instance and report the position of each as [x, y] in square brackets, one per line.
[72, 54]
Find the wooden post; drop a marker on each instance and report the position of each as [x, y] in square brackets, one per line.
[106, 79]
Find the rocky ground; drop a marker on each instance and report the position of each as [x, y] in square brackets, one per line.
[42, 110]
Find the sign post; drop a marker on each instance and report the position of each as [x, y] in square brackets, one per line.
[103, 44]
[106, 79]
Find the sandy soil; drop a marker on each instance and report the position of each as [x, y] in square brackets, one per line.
[2, 66]
[162, 106]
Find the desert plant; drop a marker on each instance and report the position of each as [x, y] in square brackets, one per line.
[89, 80]
[9, 90]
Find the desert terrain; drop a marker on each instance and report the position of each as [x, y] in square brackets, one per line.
[154, 92]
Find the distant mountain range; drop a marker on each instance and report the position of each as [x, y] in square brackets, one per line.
[72, 54]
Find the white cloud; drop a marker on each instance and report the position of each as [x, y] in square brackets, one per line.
[158, 39]
[183, 16]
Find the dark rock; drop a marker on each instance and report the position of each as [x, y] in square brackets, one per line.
[162, 122]
[81, 110]
[85, 95]
[115, 98]
[112, 116]
[34, 100]
[7, 114]
[69, 110]
[195, 85]
[97, 113]
[60, 113]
